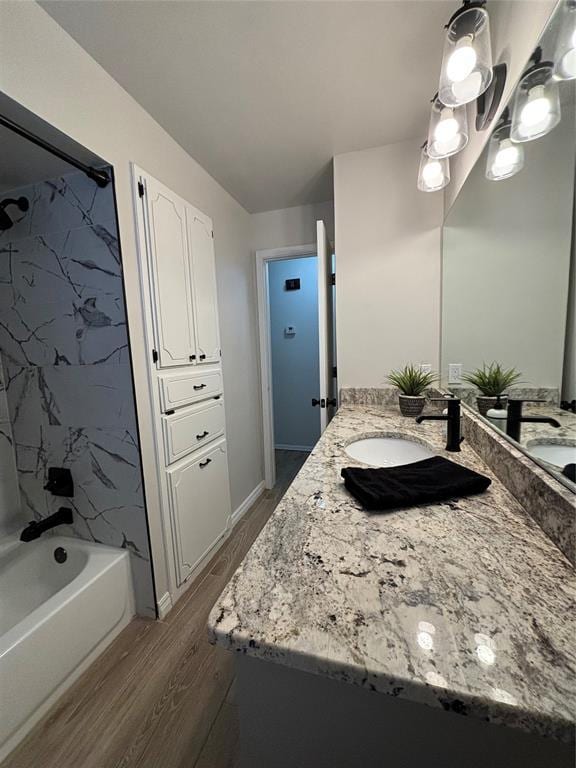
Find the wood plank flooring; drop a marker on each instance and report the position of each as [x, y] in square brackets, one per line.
[160, 696]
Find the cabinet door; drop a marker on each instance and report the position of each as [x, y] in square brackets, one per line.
[200, 505]
[170, 276]
[203, 270]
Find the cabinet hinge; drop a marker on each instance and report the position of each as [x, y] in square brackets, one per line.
[140, 189]
[212, 234]
[154, 356]
[170, 412]
[333, 278]
[334, 371]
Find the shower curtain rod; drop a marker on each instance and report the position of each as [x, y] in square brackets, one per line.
[100, 177]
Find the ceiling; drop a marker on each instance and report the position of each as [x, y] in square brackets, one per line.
[264, 94]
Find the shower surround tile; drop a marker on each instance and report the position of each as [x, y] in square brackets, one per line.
[64, 345]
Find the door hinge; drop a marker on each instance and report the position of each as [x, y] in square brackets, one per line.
[334, 371]
[212, 234]
[140, 189]
[333, 278]
[154, 356]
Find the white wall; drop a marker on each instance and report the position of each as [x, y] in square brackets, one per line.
[46, 71]
[387, 264]
[295, 362]
[506, 257]
[291, 226]
[515, 27]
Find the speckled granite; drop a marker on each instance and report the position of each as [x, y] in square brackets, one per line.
[464, 605]
[550, 503]
[387, 396]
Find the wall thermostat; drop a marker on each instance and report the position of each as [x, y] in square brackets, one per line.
[293, 284]
[290, 330]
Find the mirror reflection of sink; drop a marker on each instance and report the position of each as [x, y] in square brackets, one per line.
[388, 451]
[558, 453]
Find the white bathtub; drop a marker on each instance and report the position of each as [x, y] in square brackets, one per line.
[55, 619]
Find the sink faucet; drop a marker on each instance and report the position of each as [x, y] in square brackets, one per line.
[514, 418]
[452, 418]
[37, 527]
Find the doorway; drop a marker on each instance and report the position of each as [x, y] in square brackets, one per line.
[296, 322]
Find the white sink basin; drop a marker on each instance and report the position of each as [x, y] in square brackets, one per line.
[388, 451]
[558, 454]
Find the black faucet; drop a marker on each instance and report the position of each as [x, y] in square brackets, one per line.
[452, 418]
[514, 418]
[37, 527]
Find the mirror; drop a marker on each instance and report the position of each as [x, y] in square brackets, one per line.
[508, 282]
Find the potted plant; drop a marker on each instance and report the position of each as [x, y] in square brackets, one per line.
[492, 381]
[412, 383]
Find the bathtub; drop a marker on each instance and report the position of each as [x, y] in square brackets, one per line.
[55, 619]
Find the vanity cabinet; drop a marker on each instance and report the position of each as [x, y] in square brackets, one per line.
[200, 505]
[182, 278]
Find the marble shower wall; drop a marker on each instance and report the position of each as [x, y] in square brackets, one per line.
[67, 373]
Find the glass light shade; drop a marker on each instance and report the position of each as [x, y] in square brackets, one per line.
[448, 131]
[433, 174]
[536, 105]
[467, 60]
[565, 58]
[505, 159]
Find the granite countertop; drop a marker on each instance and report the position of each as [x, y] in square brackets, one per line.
[464, 605]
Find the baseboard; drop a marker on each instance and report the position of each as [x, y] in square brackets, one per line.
[282, 447]
[164, 605]
[247, 503]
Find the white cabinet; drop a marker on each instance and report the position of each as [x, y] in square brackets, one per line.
[169, 276]
[201, 245]
[182, 277]
[192, 428]
[181, 388]
[200, 505]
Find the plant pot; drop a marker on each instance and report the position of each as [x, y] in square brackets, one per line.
[411, 405]
[484, 403]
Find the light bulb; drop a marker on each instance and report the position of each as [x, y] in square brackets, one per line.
[537, 108]
[567, 64]
[447, 128]
[432, 174]
[507, 155]
[462, 61]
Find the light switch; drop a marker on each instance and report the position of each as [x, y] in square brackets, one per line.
[454, 373]
[290, 331]
[426, 367]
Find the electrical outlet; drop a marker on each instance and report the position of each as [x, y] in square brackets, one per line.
[454, 373]
[426, 367]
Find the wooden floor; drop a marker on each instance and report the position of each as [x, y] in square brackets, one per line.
[160, 696]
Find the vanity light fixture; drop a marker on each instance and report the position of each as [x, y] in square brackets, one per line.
[433, 174]
[505, 159]
[537, 102]
[448, 131]
[565, 66]
[467, 60]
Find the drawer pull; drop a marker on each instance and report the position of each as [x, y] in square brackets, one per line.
[199, 386]
[203, 435]
[204, 463]
[202, 357]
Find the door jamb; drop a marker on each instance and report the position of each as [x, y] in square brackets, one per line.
[263, 257]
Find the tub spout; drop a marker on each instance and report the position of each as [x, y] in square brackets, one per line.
[36, 528]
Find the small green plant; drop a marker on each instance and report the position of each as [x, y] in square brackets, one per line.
[492, 380]
[411, 380]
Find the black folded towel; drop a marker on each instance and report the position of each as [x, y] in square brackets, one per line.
[422, 482]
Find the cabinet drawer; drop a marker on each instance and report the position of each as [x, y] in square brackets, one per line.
[191, 428]
[179, 389]
[200, 505]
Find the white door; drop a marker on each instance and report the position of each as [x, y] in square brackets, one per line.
[203, 268]
[200, 505]
[170, 276]
[325, 327]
